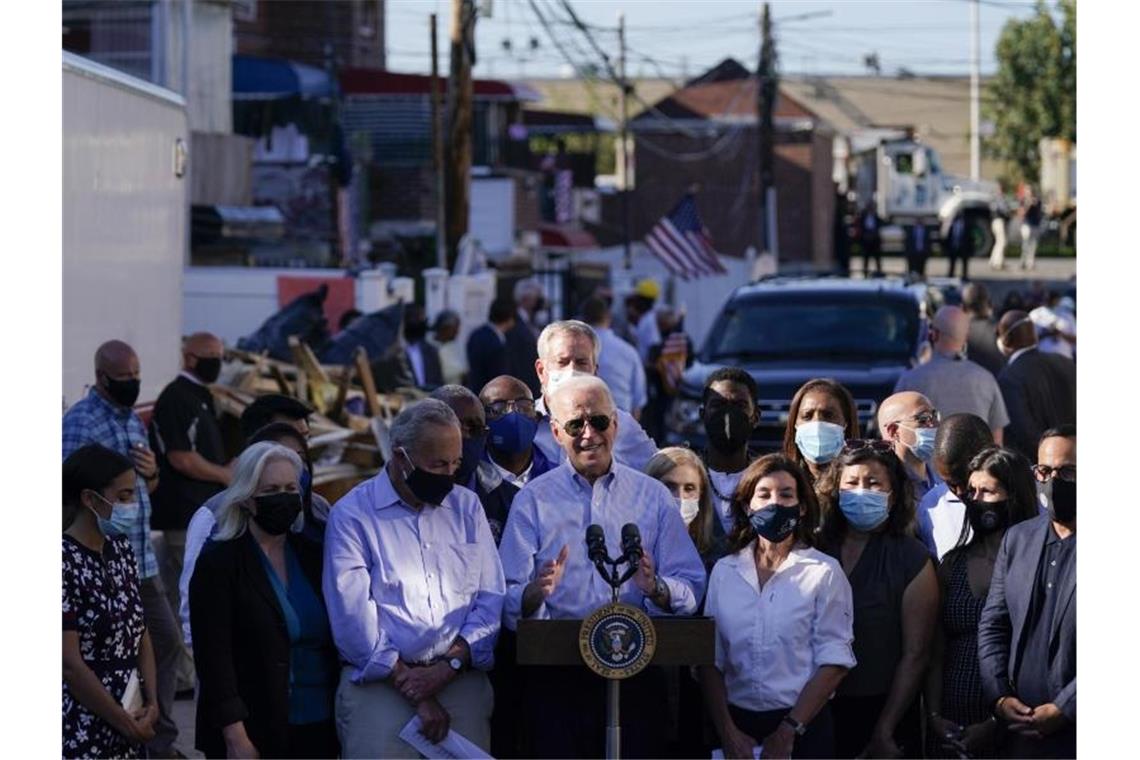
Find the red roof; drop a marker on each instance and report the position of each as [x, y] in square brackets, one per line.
[565, 236]
[724, 99]
[379, 82]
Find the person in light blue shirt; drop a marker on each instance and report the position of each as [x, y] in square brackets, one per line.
[570, 349]
[910, 422]
[549, 575]
[414, 590]
[618, 363]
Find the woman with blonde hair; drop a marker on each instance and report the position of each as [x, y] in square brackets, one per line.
[684, 474]
[264, 653]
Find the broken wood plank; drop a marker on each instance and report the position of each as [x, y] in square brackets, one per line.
[364, 372]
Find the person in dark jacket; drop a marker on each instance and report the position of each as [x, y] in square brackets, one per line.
[870, 240]
[487, 348]
[522, 338]
[1039, 388]
[981, 346]
[423, 357]
[266, 663]
[919, 244]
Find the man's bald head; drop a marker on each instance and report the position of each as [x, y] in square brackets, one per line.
[116, 359]
[950, 329]
[1016, 331]
[505, 388]
[900, 407]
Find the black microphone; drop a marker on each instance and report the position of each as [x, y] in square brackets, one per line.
[596, 544]
[631, 543]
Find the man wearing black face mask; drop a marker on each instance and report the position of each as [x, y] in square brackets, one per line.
[106, 416]
[1027, 636]
[729, 413]
[423, 357]
[185, 434]
[414, 590]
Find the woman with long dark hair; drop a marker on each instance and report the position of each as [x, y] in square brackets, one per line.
[821, 417]
[867, 511]
[1000, 494]
[783, 621]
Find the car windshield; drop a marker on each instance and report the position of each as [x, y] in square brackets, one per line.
[823, 328]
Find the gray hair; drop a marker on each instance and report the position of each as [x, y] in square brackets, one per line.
[529, 286]
[567, 327]
[411, 425]
[232, 519]
[580, 384]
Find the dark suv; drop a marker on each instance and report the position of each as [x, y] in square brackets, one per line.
[785, 331]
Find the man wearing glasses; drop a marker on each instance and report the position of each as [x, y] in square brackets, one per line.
[910, 422]
[550, 577]
[512, 422]
[1027, 635]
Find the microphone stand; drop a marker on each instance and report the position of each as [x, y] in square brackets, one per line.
[613, 686]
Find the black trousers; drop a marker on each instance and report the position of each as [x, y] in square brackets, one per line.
[855, 719]
[314, 740]
[965, 259]
[509, 735]
[568, 712]
[1062, 744]
[817, 742]
[916, 263]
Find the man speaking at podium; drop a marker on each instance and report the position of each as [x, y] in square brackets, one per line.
[549, 575]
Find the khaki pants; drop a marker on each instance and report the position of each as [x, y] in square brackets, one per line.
[369, 717]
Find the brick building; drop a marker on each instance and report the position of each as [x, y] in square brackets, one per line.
[299, 30]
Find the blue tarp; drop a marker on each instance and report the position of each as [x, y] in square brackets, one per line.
[271, 78]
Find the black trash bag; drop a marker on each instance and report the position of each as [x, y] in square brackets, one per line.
[304, 317]
[379, 332]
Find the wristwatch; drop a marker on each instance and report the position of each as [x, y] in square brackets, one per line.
[455, 664]
[795, 725]
[659, 587]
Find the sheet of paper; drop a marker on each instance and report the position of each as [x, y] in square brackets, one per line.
[453, 745]
[718, 754]
[132, 695]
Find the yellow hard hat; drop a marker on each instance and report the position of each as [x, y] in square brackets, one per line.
[648, 288]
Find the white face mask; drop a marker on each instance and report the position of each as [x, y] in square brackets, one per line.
[559, 376]
[689, 508]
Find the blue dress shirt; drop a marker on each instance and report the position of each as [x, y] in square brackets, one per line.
[555, 509]
[404, 583]
[620, 366]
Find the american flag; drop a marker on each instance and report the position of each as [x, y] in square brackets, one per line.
[682, 243]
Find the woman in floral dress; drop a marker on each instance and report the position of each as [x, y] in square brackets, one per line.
[104, 638]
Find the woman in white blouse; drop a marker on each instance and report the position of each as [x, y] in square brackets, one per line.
[783, 621]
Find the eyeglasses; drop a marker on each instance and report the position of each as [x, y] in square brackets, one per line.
[574, 428]
[497, 409]
[474, 430]
[1044, 473]
[924, 419]
[858, 444]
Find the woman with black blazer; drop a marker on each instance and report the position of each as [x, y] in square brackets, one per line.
[266, 663]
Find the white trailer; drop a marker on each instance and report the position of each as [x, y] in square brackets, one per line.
[125, 211]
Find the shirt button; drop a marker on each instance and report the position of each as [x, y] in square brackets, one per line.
[428, 546]
[1049, 585]
[1053, 563]
[429, 576]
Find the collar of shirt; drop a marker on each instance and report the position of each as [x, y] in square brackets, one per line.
[519, 480]
[107, 407]
[190, 376]
[384, 494]
[745, 563]
[499, 333]
[1019, 352]
[606, 481]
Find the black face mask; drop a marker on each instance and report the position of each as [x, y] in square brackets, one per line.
[728, 429]
[123, 392]
[277, 511]
[1063, 504]
[414, 332]
[207, 370]
[987, 516]
[472, 454]
[775, 522]
[429, 487]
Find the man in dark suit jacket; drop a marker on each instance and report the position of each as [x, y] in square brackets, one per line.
[981, 345]
[423, 357]
[919, 244]
[1027, 634]
[487, 349]
[522, 338]
[1039, 388]
[959, 245]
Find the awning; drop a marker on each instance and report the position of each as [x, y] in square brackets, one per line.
[272, 78]
[358, 81]
[566, 237]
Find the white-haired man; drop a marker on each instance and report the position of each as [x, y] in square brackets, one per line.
[567, 349]
[549, 575]
[953, 383]
[414, 590]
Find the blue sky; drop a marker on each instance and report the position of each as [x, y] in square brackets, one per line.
[674, 37]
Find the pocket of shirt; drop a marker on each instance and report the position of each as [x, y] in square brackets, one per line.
[460, 566]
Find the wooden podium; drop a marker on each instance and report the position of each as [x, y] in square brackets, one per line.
[679, 641]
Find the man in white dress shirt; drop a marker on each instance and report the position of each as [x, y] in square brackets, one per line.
[567, 349]
[414, 591]
[550, 576]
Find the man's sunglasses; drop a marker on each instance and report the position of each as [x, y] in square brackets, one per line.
[1044, 473]
[858, 444]
[574, 428]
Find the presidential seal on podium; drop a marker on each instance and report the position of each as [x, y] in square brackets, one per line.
[617, 641]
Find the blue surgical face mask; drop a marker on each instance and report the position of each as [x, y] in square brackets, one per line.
[820, 442]
[865, 510]
[512, 433]
[923, 447]
[124, 517]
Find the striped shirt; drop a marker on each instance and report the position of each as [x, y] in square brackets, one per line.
[94, 419]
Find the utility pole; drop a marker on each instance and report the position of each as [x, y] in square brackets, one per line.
[766, 89]
[623, 146]
[975, 106]
[460, 93]
[437, 156]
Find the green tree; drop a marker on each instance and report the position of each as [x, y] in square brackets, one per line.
[1034, 93]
